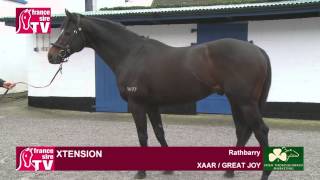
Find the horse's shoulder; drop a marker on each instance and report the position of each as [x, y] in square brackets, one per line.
[132, 73]
[132, 83]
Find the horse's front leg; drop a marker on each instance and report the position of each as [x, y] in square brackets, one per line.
[138, 112]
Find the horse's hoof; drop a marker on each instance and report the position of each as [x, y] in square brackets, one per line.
[168, 172]
[229, 174]
[140, 175]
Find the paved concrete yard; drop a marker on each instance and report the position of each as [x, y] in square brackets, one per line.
[22, 125]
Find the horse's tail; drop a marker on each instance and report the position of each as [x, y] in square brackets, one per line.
[267, 82]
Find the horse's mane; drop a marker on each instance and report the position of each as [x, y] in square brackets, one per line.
[108, 23]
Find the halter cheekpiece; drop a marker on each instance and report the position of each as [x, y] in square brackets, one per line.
[66, 50]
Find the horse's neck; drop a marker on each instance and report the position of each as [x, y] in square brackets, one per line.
[111, 41]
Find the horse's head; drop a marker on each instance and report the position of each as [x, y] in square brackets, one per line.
[71, 39]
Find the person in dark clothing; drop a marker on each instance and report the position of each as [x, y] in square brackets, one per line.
[7, 84]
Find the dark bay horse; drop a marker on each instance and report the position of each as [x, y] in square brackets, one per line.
[150, 74]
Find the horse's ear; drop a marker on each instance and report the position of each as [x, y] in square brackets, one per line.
[67, 12]
[70, 15]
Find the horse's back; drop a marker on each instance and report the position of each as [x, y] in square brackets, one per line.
[234, 47]
[238, 56]
[230, 65]
[231, 54]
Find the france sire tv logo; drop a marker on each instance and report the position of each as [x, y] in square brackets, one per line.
[33, 20]
[35, 158]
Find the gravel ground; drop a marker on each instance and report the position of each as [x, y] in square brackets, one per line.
[22, 125]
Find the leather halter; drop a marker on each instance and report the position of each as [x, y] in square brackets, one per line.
[66, 49]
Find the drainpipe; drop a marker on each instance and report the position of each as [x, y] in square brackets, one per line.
[88, 5]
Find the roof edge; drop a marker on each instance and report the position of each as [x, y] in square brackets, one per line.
[190, 8]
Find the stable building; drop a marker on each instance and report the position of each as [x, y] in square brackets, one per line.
[289, 31]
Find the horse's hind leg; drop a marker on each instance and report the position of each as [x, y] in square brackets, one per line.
[156, 122]
[243, 131]
[155, 119]
[252, 116]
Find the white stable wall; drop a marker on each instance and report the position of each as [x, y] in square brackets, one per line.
[16, 50]
[294, 49]
[13, 57]
[77, 78]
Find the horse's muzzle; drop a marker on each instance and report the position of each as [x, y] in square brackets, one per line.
[58, 55]
[54, 59]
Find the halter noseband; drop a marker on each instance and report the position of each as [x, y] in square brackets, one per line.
[66, 50]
